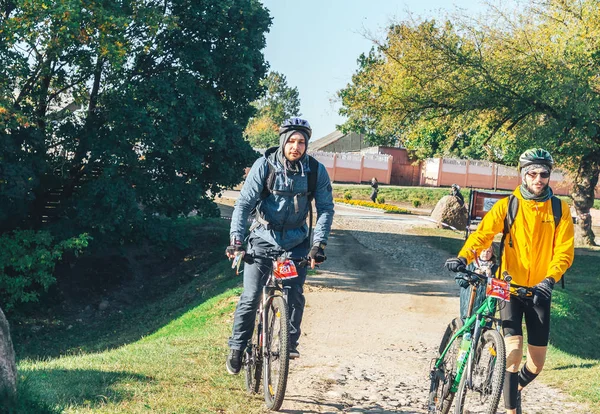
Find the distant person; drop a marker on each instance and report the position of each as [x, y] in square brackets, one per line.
[485, 264]
[456, 193]
[279, 224]
[375, 189]
[538, 251]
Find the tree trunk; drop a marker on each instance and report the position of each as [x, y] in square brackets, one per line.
[583, 194]
[8, 368]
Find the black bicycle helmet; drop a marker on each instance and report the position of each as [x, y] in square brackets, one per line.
[295, 124]
[535, 156]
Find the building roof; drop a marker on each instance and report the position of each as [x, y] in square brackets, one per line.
[326, 140]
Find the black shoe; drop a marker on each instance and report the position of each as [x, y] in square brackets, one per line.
[519, 410]
[234, 362]
[294, 353]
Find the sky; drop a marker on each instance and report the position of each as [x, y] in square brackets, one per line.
[316, 43]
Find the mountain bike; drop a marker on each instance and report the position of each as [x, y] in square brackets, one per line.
[472, 356]
[267, 353]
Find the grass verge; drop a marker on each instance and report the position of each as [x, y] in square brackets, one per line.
[179, 368]
[166, 354]
[573, 363]
[388, 208]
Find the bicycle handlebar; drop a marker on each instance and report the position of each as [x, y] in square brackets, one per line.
[473, 278]
[300, 261]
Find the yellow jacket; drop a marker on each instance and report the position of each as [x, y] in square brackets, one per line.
[537, 250]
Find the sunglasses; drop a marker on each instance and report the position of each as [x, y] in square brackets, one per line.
[534, 174]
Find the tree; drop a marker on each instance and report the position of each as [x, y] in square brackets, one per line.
[127, 109]
[525, 79]
[278, 103]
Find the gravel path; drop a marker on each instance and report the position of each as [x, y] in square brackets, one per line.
[375, 313]
[374, 317]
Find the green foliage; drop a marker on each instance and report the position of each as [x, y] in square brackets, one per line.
[280, 100]
[262, 132]
[347, 195]
[470, 88]
[380, 199]
[122, 107]
[425, 195]
[112, 113]
[27, 260]
[416, 203]
[278, 103]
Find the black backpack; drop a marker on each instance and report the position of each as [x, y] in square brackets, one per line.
[509, 219]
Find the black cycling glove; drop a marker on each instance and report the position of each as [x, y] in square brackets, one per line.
[542, 292]
[456, 264]
[234, 247]
[318, 253]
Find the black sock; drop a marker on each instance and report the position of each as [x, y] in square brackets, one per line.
[511, 387]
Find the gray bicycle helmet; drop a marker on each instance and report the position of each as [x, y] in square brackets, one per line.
[535, 156]
[295, 124]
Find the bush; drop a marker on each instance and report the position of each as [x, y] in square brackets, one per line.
[416, 203]
[380, 199]
[27, 261]
[347, 195]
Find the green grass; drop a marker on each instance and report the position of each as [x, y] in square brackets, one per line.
[164, 355]
[428, 196]
[573, 362]
[179, 368]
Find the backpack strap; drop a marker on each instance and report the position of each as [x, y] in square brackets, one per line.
[313, 166]
[509, 219]
[269, 182]
[556, 210]
[557, 213]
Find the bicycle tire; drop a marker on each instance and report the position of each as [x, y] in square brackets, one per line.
[276, 358]
[489, 364]
[440, 396]
[253, 359]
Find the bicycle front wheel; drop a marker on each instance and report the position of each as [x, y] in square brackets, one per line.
[276, 357]
[487, 377]
[440, 396]
[253, 359]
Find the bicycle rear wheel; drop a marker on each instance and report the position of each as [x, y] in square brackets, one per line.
[440, 396]
[489, 364]
[253, 359]
[276, 359]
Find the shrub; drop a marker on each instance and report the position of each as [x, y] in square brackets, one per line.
[27, 261]
[347, 195]
[380, 199]
[416, 203]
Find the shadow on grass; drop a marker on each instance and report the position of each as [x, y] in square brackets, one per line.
[49, 391]
[571, 366]
[121, 328]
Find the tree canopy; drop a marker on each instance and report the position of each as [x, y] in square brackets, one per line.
[278, 103]
[120, 111]
[491, 86]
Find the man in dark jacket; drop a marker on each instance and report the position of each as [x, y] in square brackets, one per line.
[280, 223]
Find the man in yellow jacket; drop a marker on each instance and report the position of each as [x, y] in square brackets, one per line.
[537, 253]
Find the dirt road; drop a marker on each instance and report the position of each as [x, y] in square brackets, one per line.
[374, 316]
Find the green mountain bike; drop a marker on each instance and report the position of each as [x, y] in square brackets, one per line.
[472, 356]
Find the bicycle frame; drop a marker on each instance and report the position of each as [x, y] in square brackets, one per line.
[478, 320]
[271, 289]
